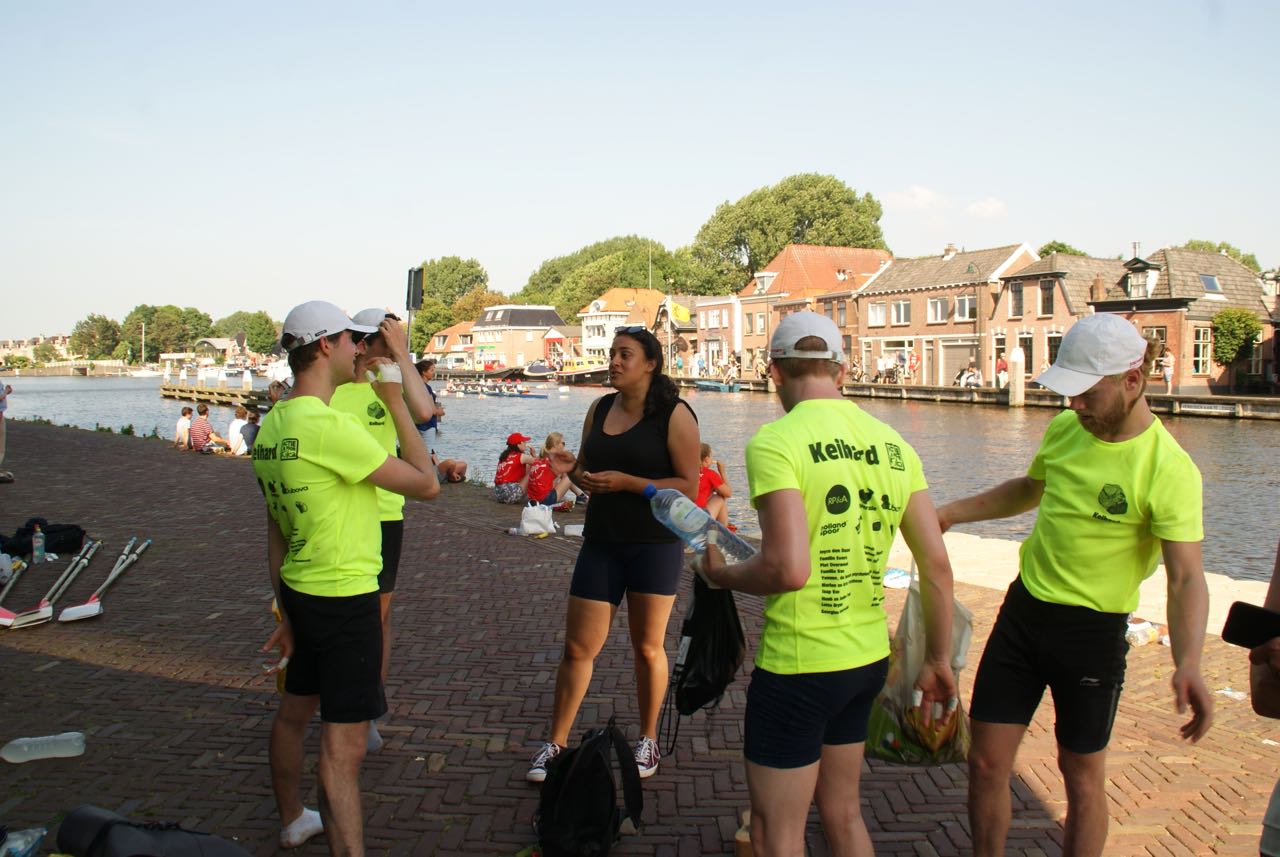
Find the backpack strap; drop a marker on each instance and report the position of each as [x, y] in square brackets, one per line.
[632, 795]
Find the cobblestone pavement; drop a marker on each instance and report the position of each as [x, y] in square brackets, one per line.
[167, 686]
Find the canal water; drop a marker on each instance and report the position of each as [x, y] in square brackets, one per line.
[965, 448]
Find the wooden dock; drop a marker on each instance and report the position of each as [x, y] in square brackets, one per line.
[218, 394]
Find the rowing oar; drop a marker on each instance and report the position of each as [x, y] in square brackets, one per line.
[44, 612]
[93, 607]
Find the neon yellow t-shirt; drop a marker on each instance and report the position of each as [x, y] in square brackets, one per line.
[311, 462]
[856, 475]
[359, 400]
[1105, 510]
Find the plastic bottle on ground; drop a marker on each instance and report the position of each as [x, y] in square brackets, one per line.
[681, 516]
[60, 746]
[37, 546]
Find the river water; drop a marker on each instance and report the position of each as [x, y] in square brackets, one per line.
[965, 448]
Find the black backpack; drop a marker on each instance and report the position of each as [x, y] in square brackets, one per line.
[91, 831]
[578, 810]
[58, 538]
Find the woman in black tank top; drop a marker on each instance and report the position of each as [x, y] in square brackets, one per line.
[640, 435]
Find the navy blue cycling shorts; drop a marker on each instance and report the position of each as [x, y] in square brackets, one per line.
[605, 572]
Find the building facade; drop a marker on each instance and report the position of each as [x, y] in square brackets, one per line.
[616, 308]
[511, 335]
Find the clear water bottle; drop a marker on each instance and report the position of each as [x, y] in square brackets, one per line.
[683, 517]
[61, 746]
[37, 546]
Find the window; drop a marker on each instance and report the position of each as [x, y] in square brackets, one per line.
[846, 342]
[1201, 350]
[702, 319]
[1160, 335]
[966, 307]
[902, 312]
[875, 314]
[760, 322]
[829, 309]
[713, 318]
[1015, 300]
[1053, 342]
[840, 313]
[1026, 342]
[937, 310]
[520, 361]
[1046, 298]
[997, 343]
[749, 320]
[1211, 284]
[1255, 356]
[528, 336]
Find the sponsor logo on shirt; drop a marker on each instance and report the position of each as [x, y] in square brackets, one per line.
[289, 449]
[1112, 498]
[838, 500]
[837, 449]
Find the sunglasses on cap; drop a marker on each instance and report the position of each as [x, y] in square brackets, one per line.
[630, 328]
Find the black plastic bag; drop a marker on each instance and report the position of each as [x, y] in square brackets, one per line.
[58, 538]
[712, 648]
[90, 831]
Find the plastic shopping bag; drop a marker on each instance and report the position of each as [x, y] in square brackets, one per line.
[897, 732]
[535, 520]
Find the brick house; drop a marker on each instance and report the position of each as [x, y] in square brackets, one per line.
[719, 329]
[512, 334]
[615, 308]
[676, 327]
[1037, 304]
[452, 347]
[936, 311]
[1173, 295]
[796, 279]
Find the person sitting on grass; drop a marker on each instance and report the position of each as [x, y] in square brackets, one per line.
[182, 431]
[548, 475]
[511, 481]
[713, 487]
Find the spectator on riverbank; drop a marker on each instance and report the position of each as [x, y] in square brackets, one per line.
[427, 372]
[249, 431]
[182, 431]
[1114, 494]
[549, 483]
[201, 430]
[511, 481]
[449, 469]
[5, 390]
[235, 438]
[713, 486]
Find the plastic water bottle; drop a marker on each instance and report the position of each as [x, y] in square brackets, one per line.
[681, 516]
[37, 546]
[61, 746]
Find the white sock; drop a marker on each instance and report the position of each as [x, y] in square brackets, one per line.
[301, 829]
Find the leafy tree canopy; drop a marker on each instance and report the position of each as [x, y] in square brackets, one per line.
[1234, 331]
[44, 353]
[167, 329]
[95, 337]
[742, 237]
[1249, 260]
[427, 322]
[260, 331]
[469, 306]
[1060, 247]
[450, 277]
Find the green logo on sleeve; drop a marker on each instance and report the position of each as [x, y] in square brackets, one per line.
[289, 449]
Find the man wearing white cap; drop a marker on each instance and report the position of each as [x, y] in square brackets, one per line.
[1115, 492]
[317, 469]
[387, 346]
[832, 485]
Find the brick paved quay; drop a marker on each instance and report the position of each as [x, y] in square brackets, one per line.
[166, 685]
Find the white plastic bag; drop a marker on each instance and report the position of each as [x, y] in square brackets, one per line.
[535, 520]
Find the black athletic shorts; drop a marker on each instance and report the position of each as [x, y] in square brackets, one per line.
[337, 653]
[1078, 653]
[392, 541]
[790, 717]
[605, 571]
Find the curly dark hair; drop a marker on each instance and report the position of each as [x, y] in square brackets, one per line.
[663, 392]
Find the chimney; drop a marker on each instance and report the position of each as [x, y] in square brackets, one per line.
[1098, 289]
[948, 252]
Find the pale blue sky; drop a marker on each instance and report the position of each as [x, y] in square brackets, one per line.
[251, 156]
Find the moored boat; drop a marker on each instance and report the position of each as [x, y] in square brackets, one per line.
[717, 386]
[584, 370]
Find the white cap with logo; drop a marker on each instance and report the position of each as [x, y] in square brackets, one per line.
[373, 316]
[1095, 347]
[314, 320]
[799, 325]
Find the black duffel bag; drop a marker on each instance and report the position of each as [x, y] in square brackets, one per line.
[91, 831]
[63, 539]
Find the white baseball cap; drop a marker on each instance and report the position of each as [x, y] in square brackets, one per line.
[1096, 346]
[314, 320]
[796, 327]
[373, 316]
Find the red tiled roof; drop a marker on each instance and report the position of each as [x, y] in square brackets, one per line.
[808, 269]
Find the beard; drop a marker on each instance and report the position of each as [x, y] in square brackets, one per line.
[1107, 422]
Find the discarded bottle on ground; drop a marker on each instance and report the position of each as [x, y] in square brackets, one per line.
[21, 750]
[37, 546]
[681, 516]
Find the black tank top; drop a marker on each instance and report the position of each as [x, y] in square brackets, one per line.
[639, 451]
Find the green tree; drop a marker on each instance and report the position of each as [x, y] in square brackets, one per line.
[427, 322]
[17, 361]
[741, 237]
[450, 277]
[95, 337]
[572, 281]
[469, 305]
[44, 353]
[123, 351]
[1234, 332]
[197, 325]
[1249, 260]
[1060, 247]
[260, 331]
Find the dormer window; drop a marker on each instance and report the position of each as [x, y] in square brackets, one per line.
[1136, 284]
[761, 287]
[1211, 284]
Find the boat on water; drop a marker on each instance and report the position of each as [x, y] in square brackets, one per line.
[538, 370]
[584, 370]
[500, 373]
[718, 386]
[483, 391]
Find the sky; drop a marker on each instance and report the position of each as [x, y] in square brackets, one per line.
[252, 156]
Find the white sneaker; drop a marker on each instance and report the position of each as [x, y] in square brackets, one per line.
[647, 756]
[541, 759]
[301, 829]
